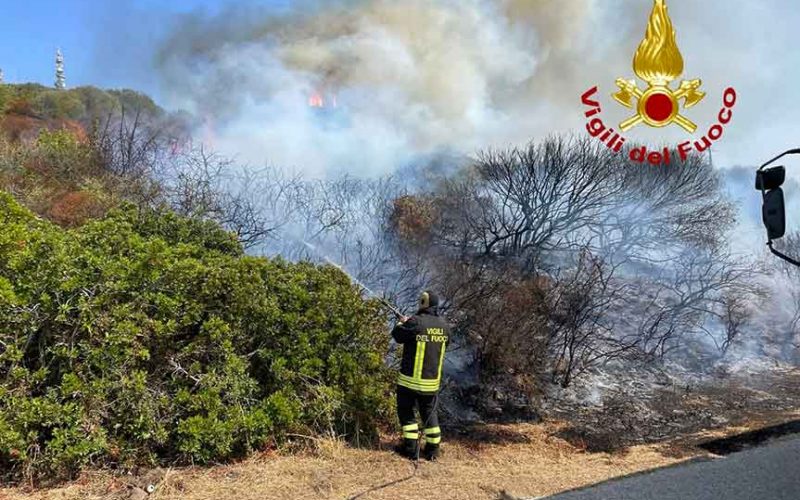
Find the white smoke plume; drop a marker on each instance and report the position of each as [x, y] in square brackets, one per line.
[422, 76]
[409, 78]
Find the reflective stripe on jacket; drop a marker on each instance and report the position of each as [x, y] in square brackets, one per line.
[424, 338]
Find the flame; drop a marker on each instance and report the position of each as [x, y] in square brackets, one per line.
[316, 101]
[320, 100]
[658, 60]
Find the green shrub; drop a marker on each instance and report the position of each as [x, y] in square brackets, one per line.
[63, 105]
[60, 154]
[133, 102]
[5, 97]
[147, 337]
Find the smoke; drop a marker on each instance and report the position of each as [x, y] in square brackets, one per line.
[410, 78]
[421, 77]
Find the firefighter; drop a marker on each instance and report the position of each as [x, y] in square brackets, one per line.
[424, 337]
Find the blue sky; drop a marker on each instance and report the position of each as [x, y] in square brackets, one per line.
[104, 42]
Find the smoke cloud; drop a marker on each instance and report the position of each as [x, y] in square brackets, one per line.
[418, 77]
[409, 78]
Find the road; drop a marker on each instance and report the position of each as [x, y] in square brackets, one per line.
[769, 472]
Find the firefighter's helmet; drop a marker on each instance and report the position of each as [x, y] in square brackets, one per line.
[428, 299]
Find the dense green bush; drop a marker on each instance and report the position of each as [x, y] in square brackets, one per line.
[147, 337]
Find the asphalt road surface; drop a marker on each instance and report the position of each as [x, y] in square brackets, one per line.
[769, 472]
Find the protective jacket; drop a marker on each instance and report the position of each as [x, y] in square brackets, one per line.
[424, 338]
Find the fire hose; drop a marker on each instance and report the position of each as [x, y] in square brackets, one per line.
[391, 308]
[388, 305]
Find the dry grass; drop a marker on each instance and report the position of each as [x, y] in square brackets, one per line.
[523, 460]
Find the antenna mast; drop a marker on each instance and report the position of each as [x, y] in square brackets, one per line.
[61, 81]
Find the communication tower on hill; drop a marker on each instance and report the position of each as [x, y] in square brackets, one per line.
[61, 80]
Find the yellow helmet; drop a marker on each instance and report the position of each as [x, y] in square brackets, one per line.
[428, 300]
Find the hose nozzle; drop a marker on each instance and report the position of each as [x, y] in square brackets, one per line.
[394, 310]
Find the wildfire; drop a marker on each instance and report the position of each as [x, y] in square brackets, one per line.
[658, 59]
[317, 100]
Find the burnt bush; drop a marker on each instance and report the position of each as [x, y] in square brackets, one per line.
[561, 255]
[510, 330]
[580, 329]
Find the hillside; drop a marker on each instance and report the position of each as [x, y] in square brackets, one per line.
[81, 104]
[66, 154]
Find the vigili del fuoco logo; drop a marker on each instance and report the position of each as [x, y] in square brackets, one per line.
[658, 62]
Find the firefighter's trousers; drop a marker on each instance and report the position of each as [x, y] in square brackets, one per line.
[407, 400]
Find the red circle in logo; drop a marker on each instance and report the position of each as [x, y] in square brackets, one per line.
[658, 107]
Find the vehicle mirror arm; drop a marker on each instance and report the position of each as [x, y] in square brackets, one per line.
[782, 256]
[785, 153]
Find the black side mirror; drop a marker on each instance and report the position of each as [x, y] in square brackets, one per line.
[773, 213]
[771, 178]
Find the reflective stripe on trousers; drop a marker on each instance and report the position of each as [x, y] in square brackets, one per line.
[411, 431]
[433, 435]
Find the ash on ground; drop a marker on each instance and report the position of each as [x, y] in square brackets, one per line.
[615, 407]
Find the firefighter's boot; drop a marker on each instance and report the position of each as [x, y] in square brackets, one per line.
[408, 448]
[432, 452]
[433, 436]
